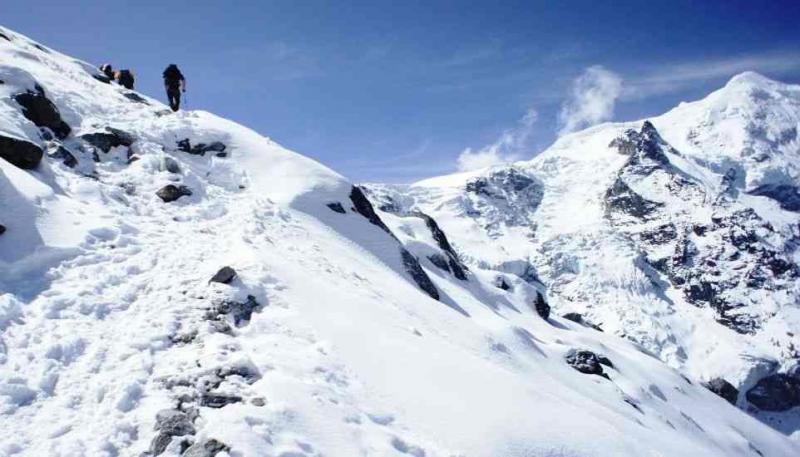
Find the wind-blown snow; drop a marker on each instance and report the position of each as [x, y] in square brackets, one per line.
[324, 343]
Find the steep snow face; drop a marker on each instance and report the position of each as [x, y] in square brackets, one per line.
[680, 234]
[340, 328]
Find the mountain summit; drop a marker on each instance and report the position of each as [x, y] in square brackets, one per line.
[177, 284]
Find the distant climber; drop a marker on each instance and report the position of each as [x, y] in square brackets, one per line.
[108, 71]
[175, 83]
[124, 78]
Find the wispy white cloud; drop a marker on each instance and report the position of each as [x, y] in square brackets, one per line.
[507, 148]
[675, 76]
[592, 99]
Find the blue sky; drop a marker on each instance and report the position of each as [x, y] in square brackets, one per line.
[397, 91]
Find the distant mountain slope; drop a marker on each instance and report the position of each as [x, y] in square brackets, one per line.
[680, 233]
[176, 284]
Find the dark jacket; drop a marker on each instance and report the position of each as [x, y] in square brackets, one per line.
[173, 77]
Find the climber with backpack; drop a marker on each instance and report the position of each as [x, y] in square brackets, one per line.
[175, 83]
[108, 71]
[124, 78]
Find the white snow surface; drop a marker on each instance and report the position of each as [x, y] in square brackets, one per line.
[105, 300]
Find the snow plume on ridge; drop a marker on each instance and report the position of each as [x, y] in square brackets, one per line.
[505, 149]
[591, 101]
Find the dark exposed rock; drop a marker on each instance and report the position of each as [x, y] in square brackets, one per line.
[500, 283]
[67, 158]
[620, 197]
[202, 148]
[206, 448]
[414, 269]
[42, 112]
[586, 362]
[541, 306]
[724, 389]
[240, 312]
[133, 96]
[776, 392]
[102, 78]
[5, 37]
[787, 196]
[170, 423]
[108, 139]
[225, 275]
[336, 207]
[20, 153]
[364, 208]
[171, 165]
[579, 319]
[216, 400]
[440, 261]
[171, 192]
[2, 229]
[458, 269]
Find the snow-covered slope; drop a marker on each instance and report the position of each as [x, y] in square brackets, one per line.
[340, 330]
[680, 233]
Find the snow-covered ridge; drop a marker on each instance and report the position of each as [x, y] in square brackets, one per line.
[680, 233]
[336, 329]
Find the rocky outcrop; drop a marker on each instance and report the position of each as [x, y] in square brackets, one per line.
[201, 149]
[414, 269]
[42, 112]
[776, 392]
[506, 197]
[587, 362]
[110, 138]
[2, 229]
[725, 263]
[541, 306]
[454, 265]
[171, 192]
[579, 319]
[724, 389]
[206, 448]
[63, 155]
[170, 423]
[20, 153]
[363, 207]
[240, 312]
[336, 207]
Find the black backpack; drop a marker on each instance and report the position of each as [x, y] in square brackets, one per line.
[126, 79]
[173, 77]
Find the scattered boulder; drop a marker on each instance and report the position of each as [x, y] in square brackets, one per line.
[67, 158]
[241, 312]
[169, 423]
[201, 148]
[336, 207]
[225, 275]
[217, 400]
[541, 306]
[42, 112]
[171, 165]
[776, 392]
[724, 389]
[133, 96]
[587, 362]
[500, 283]
[170, 192]
[579, 319]
[20, 153]
[111, 138]
[206, 448]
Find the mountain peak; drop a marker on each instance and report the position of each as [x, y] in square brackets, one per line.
[750, 79]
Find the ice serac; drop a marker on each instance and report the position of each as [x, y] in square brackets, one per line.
[318, 333]
[679, 233]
